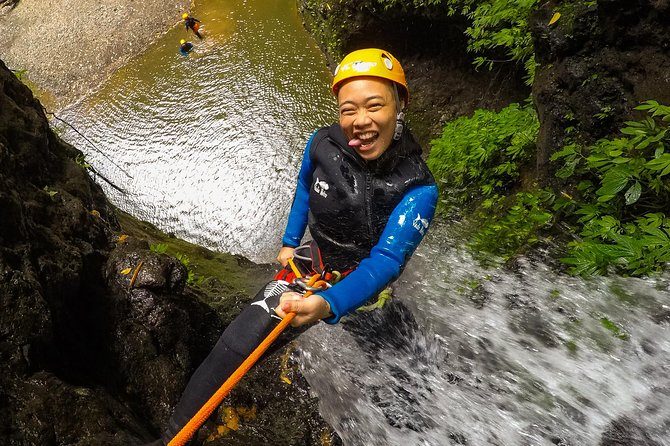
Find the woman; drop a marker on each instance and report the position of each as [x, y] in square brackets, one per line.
[367, 197]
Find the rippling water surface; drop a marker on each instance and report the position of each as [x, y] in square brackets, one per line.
[207, 146]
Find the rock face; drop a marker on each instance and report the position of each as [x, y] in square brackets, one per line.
[52, 250]
[98, 334]
[596, 63]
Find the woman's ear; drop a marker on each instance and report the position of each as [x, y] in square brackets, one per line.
[403, 101]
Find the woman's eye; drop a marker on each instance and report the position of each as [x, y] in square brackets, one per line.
[375, 107]
[347, 111]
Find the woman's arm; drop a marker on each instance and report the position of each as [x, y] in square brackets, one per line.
[404, 231]
[297, 218]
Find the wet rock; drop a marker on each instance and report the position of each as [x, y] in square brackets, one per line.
[527, 318]
[596, 63]
[8, 4]
[662, 316]
[54, 412]
[288, 417]
[92, 354]
[148, 270]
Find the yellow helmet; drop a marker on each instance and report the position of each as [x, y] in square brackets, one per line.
[182, 41]
[370, 62]
[184, 16]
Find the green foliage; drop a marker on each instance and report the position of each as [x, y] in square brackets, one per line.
[49, 191]
[478, 160]
[637, 248]
[481, 155]
[159, 248]
[498, 30]
[508, 229]
[614, 328]
[623, 198]
[330, 22]
[183, 258]
[618, 204]
[19, 74]
[58, 130]
[497, 27]
[81, 161]
[192, 279]
[571, 346]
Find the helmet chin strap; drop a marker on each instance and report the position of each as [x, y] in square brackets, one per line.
[400, 115]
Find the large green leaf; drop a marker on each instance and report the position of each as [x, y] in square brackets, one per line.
[614, 181]
[633, 193]
[661, 163]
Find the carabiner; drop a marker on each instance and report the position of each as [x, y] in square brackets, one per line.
[318, 285]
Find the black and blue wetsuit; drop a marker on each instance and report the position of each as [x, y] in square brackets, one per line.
[367, 217]
[194, 25]
[185, 48]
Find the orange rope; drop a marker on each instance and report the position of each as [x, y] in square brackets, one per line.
[215, 400]
[295, 269]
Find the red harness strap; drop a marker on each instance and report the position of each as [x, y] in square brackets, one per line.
[308, 265]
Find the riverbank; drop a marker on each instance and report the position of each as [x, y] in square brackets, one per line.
[67, 50]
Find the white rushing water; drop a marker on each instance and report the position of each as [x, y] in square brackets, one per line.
[475, 356]
[208, 146]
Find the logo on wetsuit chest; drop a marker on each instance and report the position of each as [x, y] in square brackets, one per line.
[420, 224]
[321, 187]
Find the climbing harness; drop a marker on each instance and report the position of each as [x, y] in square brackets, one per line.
[312, 279]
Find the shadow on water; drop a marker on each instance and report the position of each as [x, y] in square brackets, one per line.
[211, 142]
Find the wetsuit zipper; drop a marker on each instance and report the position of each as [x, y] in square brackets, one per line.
[368, 185]
[368, 203]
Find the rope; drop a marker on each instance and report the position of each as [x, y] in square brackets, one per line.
[295, 269]
[123, 191]
[215, 400]
[87, 140]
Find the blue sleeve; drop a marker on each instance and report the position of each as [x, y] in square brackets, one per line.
[403, 232]
[297, 218]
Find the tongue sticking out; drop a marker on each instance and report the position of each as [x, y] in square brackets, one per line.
[355, 143]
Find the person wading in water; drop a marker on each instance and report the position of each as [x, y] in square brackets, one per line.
[185, 47]
[192, 23]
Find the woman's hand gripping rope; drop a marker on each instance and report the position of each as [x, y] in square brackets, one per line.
[306, 308]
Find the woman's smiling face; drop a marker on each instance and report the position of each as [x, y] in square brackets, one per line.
[367, 115]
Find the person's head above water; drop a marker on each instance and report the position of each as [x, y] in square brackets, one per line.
[371, 93]
[184, 16]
